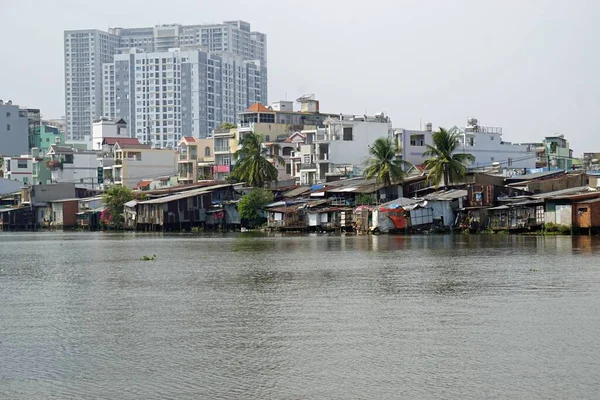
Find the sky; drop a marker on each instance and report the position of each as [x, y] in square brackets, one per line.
[529, 66]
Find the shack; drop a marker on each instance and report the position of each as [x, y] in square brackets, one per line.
[284, 216]
[62, 213]
[518, 215]
[587, 216]
[17, 218]
[175, 212]
[445, 205]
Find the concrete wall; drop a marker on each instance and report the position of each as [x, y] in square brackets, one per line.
[487, 148]
[355, 151]
[14, 130]
[18, 169]
[154, 163]
[103, 129]
[82, 171]
[56, 191]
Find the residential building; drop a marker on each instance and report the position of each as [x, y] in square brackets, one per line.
[14, 129]
[136, 162]
[34, 122]
[40, 173]
[107, 128]
[591, 161]
[196, 160]
[87, 50]
[50, 135]
[280, 125]
[179, 93]
[67, 164]
[18, 168]
[558, 152]
[341, 148]
[59, 123]
[287, 150]
[280, 119]
[484, 143]
[225, 144]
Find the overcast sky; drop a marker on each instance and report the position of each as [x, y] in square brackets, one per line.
[530, 66]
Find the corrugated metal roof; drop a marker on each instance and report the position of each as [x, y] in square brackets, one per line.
[297, 191]
[183, 195]
[535, 175]
[174, 197]
[445, 195]
[590, 201]
[579, 189]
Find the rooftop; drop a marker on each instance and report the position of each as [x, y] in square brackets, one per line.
[112, 140]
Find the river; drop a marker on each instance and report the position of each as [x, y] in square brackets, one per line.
[322, 317]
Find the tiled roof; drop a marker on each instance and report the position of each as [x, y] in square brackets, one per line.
[112, 140]
[133, 145]
[143, 184]
[189, 139]
[257, 107]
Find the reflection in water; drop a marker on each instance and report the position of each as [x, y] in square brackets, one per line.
[320, 316]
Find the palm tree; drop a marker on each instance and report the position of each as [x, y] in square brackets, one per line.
[253, 165]
[384, 164]
[443, 163]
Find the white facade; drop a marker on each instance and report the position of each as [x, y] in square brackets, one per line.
[341, 148]
[18, 168]
[79, 167]
[165, 96]
[484, 143]
[87, 50]
[138, 163]
[104, 127]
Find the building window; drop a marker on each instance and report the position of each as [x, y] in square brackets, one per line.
[21, 163]
[347, 136]
[207, 151]
[288, 169]
[8, 127]
[8, 115]
[510, 162]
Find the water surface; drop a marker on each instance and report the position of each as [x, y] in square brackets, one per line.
[257, 317]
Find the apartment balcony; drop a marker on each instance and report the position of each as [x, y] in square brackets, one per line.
[323, 158]
[321, 137]
[246, 127]
[310, 166]
[222, 150]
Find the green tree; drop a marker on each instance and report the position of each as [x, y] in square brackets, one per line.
[443, 163]
[227, 125]
[252, 204]
[114, 203]
[253, 165]
[384, 163]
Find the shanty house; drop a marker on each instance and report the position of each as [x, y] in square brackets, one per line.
[586, 216]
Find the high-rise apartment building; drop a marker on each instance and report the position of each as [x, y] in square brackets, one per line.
[167, 95]
[85, 52]
[89, 97]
